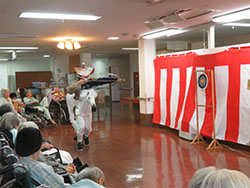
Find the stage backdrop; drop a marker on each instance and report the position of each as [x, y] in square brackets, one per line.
[175, 93]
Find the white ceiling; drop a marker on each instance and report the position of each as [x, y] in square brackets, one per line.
[118, 16]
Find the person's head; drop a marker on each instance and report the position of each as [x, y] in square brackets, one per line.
[93, 173]
[28, 93]
[13, 96]
[28, 142]
[9, 121]
[5, 93]
[199, 176]
[4, 108]
[224, 178]
[28, 124]
[210, 177]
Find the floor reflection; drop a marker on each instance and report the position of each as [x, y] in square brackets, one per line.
[171, 162]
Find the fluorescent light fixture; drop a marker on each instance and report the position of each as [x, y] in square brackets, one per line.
[113, 38]
[129, 48]
[4, 59]
[237, 24]
[59, 16]
[161, 33]
[46, 55]
[19, 48]
[233, 16]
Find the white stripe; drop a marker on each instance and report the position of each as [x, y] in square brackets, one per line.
[163, 96]
[201, 110]
[221, 89]
[244, 128]
[174, 96]
[188, 79]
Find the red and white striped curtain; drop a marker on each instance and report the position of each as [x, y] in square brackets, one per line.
[175, 93]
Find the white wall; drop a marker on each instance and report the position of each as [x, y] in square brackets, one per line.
[3, 75]
[60, 68]
[102, 65]
[9, 68]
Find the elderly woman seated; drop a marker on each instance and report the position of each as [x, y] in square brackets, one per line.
[9, 124]
[42, 106]
[5, 99]
[211, 177]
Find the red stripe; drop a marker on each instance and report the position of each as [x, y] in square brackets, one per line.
[190, 105]
[233, 99]
[181, 94]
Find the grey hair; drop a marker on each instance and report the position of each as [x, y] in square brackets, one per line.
[92, 173]
[224, 178]
[28, 124]
[199, 176]
[9, 121]
[4, 108]
[3, 91]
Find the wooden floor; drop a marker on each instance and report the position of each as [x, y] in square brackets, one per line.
[135, 156]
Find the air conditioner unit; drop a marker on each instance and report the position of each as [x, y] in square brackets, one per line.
[173, 18]
[153, 24]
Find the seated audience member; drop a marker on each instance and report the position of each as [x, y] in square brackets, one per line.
[17, 103]
[9, 123]
[46, 145]
[28, 144]
[42, 106]
[4, 108]
[219, 178]
[57, 96]
[93, 173]
[5, 99]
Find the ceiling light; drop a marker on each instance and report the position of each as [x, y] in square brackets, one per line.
[4, 59]
[233, 16]
[60, 45]
[19, 48]
[113, 38]
[69, 45]
[46, 55]
[59, 16]
[237, 24]
[77, 45]
[161, 33]
[129, 48]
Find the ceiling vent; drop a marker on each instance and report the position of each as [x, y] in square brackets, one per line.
[194, 12]
[177, 16]
[154, 24]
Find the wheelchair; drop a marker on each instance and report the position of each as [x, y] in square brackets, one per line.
[13, 174]
[33, 114]
[58, 113]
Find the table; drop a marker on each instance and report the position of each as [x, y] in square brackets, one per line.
[131, 101]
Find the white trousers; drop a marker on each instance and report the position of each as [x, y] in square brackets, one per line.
[82, 126]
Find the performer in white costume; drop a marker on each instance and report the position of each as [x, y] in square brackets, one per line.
[81, 102]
